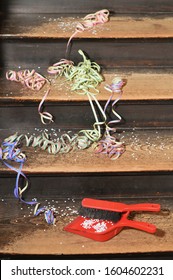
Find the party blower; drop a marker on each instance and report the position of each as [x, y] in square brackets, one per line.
[101, 220]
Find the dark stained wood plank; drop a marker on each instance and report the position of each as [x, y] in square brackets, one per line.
[78, 115]
[123, 53]
[146, 151]
[151, 86]
[56, 26]
[21, 233]
[123, 184]
[78, 6]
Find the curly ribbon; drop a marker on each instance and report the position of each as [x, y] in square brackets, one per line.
[45, 116]
[49, 213]
[85, 77]
[89, 22]
[111, 147]
[9, 151]
[115, 87]
[30, 79]
[64, 144]
[34, 81]
[60, 68]
[97, 124]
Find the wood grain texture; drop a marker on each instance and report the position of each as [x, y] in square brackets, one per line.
[148, 150]
[132, 53]
[99, 185]
[90, 6]
[151, 86]
[77, 116]
[55, 26]
[21, 233]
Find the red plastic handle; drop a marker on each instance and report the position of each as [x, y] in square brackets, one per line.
[124, 222]
[139, 225]
[119, 207]
[152, 207]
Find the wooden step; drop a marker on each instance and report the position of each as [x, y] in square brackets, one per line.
[57, 27]
[146, 151]
[38, 238]
[146, 101]
[141, 86]
[145, 169]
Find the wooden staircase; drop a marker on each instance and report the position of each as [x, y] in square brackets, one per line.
[137, 44]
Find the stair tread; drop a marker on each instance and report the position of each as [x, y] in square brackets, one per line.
[146, 151]
[140, 86]
[39, 238]
[56, 26]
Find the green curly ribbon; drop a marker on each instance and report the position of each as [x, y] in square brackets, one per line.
[43, 141]
[84, 78]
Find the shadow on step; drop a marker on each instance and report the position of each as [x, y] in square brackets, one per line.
[4, 5]
[134, 256]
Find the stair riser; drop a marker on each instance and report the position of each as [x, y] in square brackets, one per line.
[90, 6]
[137, 53]
[76, 116]
[115, 185]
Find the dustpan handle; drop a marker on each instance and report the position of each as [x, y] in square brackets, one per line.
[139, 225]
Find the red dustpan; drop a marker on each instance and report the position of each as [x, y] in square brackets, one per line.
[102, 230]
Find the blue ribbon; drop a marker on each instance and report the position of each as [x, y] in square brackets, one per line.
[13, 154]
[49, 214]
